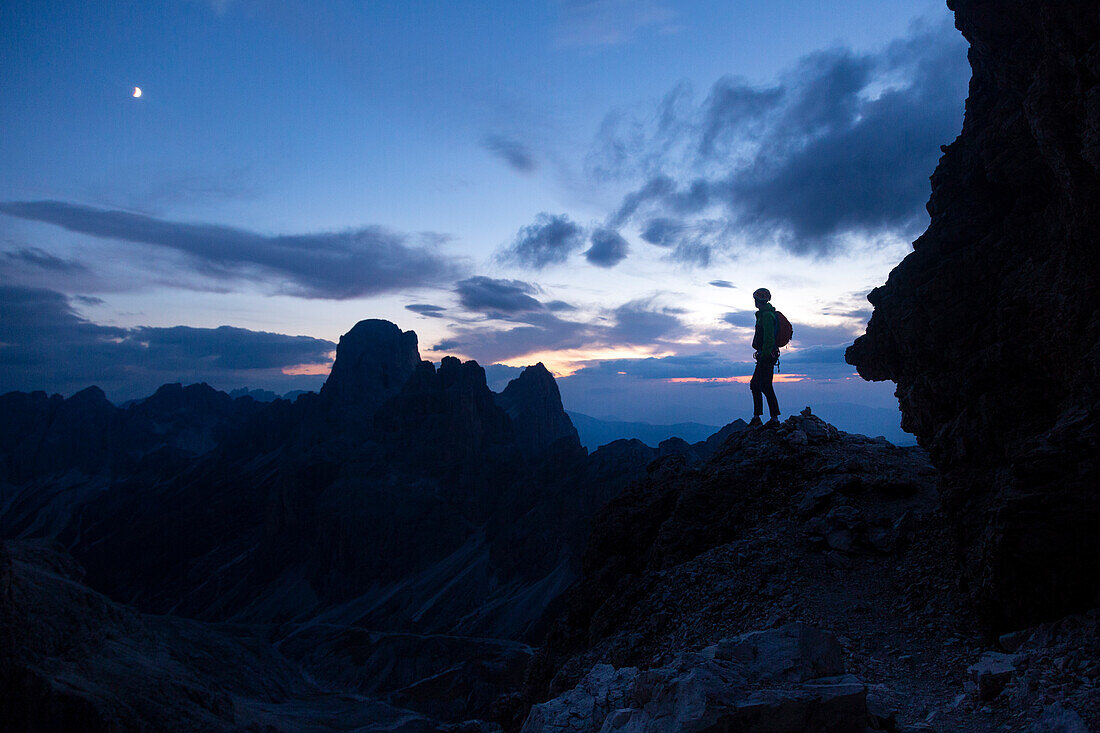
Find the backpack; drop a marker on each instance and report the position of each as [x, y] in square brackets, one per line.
[783, 330]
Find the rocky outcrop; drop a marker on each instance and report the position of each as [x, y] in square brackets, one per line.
[698, 547]
[776, 681]
[373, 361]
[533, 404]
[991, 326]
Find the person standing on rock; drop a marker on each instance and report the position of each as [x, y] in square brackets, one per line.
[766, 355]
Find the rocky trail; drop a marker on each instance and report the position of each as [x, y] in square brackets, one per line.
[803, 527]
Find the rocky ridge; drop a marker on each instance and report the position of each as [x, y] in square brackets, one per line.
[800, 525]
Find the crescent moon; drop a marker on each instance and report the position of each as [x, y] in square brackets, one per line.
[137, 92]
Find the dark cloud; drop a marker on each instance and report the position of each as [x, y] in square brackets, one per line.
[733, 106]
[539, 331]
[331, 265]
[662, 231]
[181, 348]
[820, 362]
[722, 284]
[560, 305]
[425, 309]
[47, 345]
[485, 294]
[844, 144]
[43, 260]
[511, 151]
[693, 252]
[656, 188]
[634, 397]
[549, 240]
[636, 323]
[608, 248]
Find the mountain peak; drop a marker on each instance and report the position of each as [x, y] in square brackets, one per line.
[373, 361]
[533, 403]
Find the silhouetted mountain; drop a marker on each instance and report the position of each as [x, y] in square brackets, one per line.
[373, 361]
[260, 395]
[403, 499]
[594, 432]
[991, 327]
[50, 435]
[533, 404]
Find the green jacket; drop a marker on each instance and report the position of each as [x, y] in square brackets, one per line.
[764, 338]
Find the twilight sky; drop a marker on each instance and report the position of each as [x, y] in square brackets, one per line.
[596, 184]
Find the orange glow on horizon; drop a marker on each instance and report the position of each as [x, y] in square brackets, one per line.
[738, 380]
[300, 370]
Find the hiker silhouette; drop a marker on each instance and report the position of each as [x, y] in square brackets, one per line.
[766, 354]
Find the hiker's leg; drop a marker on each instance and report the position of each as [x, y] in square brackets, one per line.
[773, 403]
[754, 386]
[767, 388]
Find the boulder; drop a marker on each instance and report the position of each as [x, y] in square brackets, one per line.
[1059, 719]
[992, 673]
[777, 681]
[795, 652]
[586, 706]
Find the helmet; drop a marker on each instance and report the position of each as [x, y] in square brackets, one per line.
[762, 294]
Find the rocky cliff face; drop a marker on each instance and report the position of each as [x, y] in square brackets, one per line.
[991, 327]
[373, 361]
[533, 404]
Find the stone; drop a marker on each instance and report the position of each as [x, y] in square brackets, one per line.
[1057, 718]
[1013, 640]
[992, 672]
[794, 652]
[697, 693]
[584, 708]
[842, 525]
[814, 500]
[883, 539]
[798, 437]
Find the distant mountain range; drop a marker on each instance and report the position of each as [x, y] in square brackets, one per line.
[852, 418]
[595, 432]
